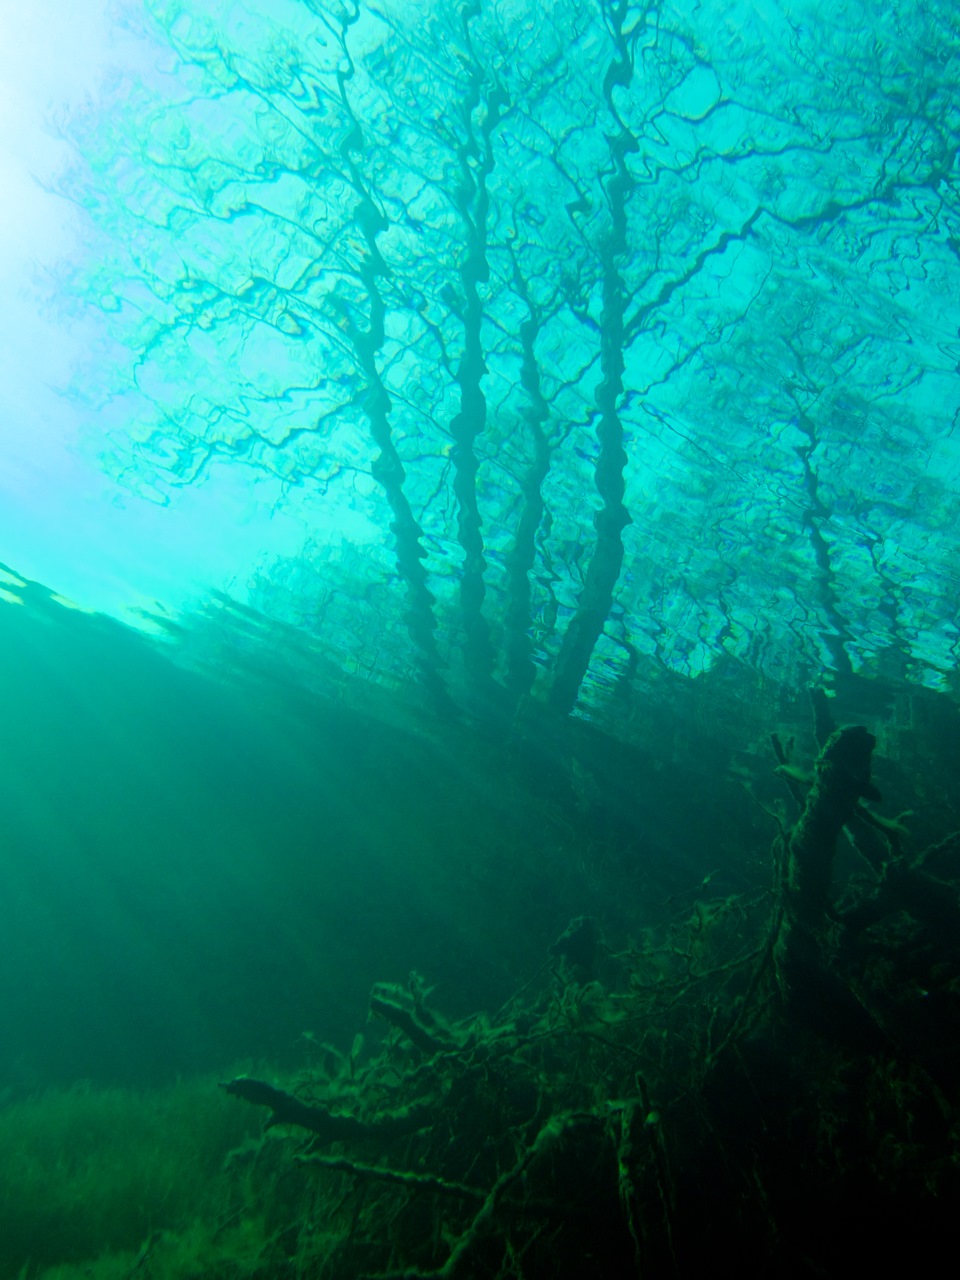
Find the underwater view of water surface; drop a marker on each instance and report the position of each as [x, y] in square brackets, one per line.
[479, 544]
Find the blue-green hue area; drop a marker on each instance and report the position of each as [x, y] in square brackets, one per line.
[524, 438]
[580, 341]
[193, 875]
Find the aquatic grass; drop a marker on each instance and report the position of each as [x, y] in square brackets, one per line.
[200, 1250]
[86, 1171]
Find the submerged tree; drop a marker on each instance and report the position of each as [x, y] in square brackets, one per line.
[769, 1074]
[572, 337]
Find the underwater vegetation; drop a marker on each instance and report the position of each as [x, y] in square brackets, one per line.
[769, 1074]
[88, 1168]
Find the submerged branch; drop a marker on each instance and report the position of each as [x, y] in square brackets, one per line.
[325, 1125]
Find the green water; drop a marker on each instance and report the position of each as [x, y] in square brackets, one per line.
[478, 678]
[526, 935]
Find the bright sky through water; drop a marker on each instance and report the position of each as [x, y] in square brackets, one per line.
[62, 522]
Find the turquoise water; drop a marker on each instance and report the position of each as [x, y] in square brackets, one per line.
[478, 646]
[550, 349]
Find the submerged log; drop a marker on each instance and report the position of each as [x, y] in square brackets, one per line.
[814, 993]
[841, 781]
